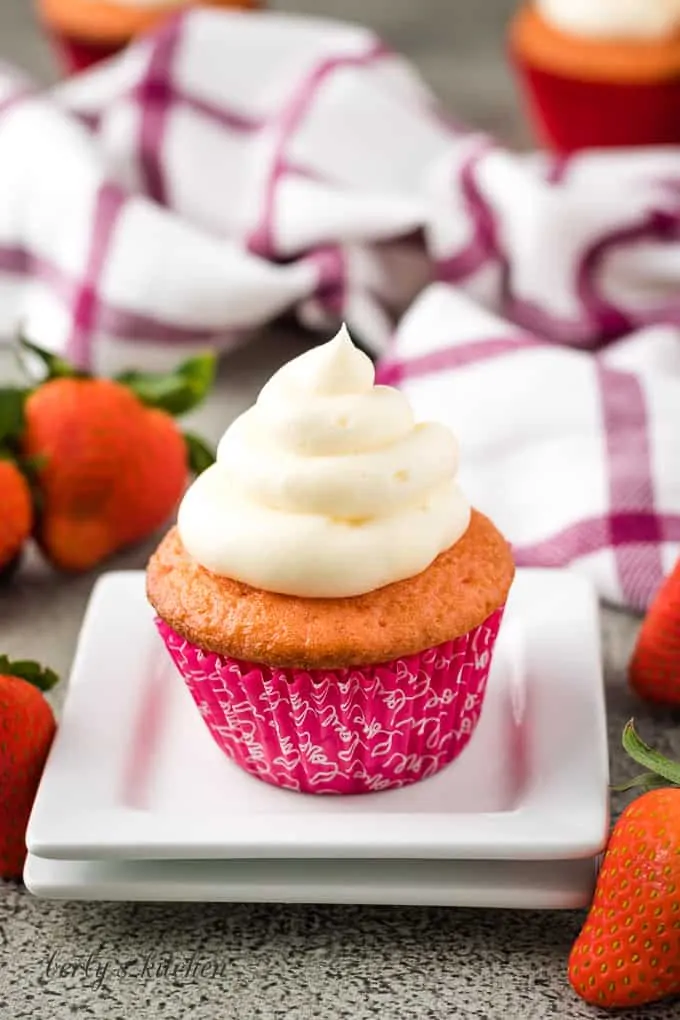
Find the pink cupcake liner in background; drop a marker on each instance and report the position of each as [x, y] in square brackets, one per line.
[345, 731]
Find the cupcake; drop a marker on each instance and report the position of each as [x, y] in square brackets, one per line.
[328, 595]
[600, 73]
[87, 31]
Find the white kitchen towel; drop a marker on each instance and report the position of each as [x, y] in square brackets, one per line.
[235, 166]
[575, 454]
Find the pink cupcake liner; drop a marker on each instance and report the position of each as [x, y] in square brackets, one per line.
[345, 731]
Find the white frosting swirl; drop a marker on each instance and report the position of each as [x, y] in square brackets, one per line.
[326, 487]
[613, 19]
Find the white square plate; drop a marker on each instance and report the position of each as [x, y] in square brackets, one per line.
[134, 773]
[531, 885]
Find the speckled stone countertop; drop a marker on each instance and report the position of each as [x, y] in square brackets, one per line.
[298, 962]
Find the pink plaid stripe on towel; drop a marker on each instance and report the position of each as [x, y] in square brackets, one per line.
[232, 167]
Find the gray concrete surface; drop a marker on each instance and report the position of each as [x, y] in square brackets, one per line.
[290, 962]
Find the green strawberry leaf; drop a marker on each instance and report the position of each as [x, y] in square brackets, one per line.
[200, 455]
[55, 366]
[667, 772]
[12, 416]
[176, 392]
[31, 672]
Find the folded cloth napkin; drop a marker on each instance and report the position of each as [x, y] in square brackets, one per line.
[232, 167]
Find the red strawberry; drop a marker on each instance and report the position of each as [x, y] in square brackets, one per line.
[655, 667]
[27, 727]
[628, 953]
[16, 496]
[113, 463]
[16, 513]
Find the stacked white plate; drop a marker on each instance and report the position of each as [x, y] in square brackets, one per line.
[138, 803]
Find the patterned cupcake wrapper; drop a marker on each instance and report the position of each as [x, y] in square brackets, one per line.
[345, 731]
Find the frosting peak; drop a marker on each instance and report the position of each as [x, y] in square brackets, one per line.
[334, 369]
[326, 487]
[613, 19]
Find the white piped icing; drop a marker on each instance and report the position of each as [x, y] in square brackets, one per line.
[326, 487]
[613, 19]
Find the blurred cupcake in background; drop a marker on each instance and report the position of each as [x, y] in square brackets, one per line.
[329, 597]
[86, 31]
[600, 73]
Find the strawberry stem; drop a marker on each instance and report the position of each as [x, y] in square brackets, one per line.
[661, 770]
[31, 672]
